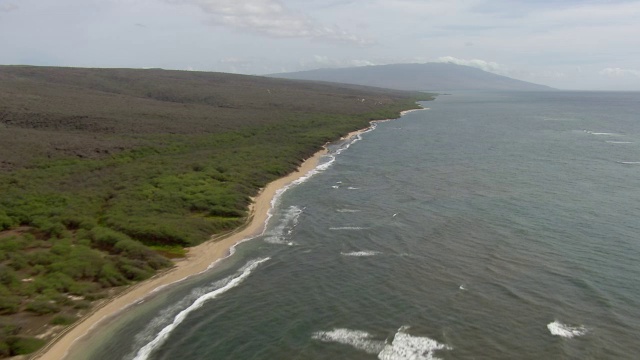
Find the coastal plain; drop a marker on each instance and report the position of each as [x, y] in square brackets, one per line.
[106, 174]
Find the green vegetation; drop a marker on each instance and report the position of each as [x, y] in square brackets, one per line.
[108, 173]
[12, 344]
[63, 320]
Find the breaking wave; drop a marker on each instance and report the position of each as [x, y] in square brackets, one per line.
[221, 287]
[279, 234]
[602, 133]
[360, 253]
[559, 329]
[403, 346]
[360, 340]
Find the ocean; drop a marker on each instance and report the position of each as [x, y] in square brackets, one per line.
[489, 226]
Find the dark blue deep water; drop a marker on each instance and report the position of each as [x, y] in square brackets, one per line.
[491, 226]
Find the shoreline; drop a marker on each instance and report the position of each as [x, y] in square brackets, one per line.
[199, 258]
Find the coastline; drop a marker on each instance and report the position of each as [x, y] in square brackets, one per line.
[199, 258]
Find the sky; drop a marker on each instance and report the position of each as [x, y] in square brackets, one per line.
[567, 44]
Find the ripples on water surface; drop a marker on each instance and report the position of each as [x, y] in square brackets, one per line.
[492, 226]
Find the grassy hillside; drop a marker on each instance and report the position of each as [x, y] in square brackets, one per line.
[104, 173]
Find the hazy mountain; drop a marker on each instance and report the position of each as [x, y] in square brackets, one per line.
[429, 76]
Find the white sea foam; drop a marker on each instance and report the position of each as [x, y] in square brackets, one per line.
[276, 198]
[630, 162]
[353, 188]
[361, 253]
[229, 283]
[602, 133]
[405, 346]
[360, 340]
[166, 316]
[347, 228]
[559, 329]
[321, 167]
[619, 142]
[348, 210]
[278, 235]
[344, 146]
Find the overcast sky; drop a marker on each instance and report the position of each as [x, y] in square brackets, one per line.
[585, 45]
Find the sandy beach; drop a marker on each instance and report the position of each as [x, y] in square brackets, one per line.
[198, 259]
[405, 112]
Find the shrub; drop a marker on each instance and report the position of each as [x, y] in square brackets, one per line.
[24, 345]
[9, 303]
[63, 319]
[110, 276]
[81, 288]
[105, 238]
[226, 212]
[50, 227]
[56, 297]
[11, 244]
[82, 304]
[82, 263]
[133, 270]
[8, 277]
[18, 261]
[29, 238]
[62, 247]
[171, 252]
[95, 296]
[40, 257]
[5, 221]
[5, 349]
[59, 281]
[83, 234]
[42, 305]
[132, 250]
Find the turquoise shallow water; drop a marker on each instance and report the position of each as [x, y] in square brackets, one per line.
[494, 225]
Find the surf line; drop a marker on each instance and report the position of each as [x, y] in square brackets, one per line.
[163, 335]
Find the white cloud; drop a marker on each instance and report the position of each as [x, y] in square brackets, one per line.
[618, 72]
[477, 63]
[8, 7]
[271, 18]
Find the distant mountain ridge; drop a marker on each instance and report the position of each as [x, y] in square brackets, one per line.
[427, 76]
